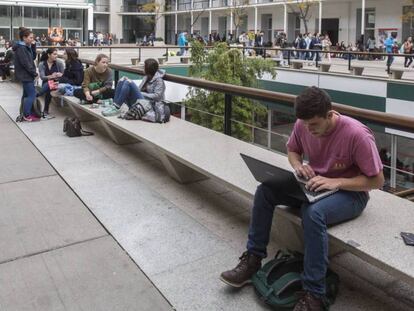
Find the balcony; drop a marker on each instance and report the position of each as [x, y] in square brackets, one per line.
[101, 8]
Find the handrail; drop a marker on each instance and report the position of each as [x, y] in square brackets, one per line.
[231, 47]
[385, 119]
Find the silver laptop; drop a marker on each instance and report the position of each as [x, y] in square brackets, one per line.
[283, 180]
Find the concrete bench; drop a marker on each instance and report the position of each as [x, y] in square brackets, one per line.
[397, 72]
[185, 59]
[357, 70]
[135, 61]
[296, 63]
[374, 236]
[324, 66]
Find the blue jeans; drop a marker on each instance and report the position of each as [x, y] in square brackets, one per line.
[390, 60]
[48, 98]
[126, 92]
[336, 208]
[29, 96]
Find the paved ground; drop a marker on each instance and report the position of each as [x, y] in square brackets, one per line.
[55, 253]
[62, 222]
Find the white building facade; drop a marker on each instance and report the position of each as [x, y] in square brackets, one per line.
[343, 20]
[74, 16]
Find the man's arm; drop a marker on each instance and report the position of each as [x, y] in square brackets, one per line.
[302, 170]
[358, 183]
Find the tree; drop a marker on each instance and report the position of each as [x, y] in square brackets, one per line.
[155, 8]
[302, 9]
[239, 10]
[409, 13]
[225, 65]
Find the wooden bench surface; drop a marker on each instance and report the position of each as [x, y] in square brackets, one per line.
[374, 236]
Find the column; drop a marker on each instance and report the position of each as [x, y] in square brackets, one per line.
[192, 21]
[255, 19]
[285, 19]
[209, 23]
[320, 17]
[231, 21]
[363, 18]
[90, 17]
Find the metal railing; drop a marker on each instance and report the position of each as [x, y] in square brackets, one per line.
[288, 54]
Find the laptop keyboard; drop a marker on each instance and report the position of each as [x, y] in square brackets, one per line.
[313, 193]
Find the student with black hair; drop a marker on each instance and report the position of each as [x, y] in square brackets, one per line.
[127, 92]
[25, 70]
[50, 69]
[73, 75]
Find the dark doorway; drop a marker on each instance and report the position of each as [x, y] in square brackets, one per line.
[330, 26]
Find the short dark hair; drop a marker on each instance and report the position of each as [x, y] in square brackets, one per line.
[150, 66]
[24, 32]
[312, 102]
[72, 55]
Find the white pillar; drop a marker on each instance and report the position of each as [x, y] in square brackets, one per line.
[192, 21]
[285, 19]
[320, 17]
[176, 24]
[90, 17]
[255, 19]
[231, 21]
[363, 18]
[209, 22]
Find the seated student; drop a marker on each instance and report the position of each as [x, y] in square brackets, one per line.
[6, 62]
[73, 74]
[342, 155]
[97, 81]
[50, 69]
[127, 92]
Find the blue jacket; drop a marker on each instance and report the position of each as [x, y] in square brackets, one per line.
[182, 40]
[389, 43]
[24, 67]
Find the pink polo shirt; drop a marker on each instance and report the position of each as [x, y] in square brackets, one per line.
[347, 151]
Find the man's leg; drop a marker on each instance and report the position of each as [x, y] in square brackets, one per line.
[264, 204]
[334, 209]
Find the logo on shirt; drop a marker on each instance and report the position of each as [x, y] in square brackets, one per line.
[339, 166]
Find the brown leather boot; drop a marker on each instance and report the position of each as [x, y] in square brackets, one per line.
[241, 275]
[308, 302]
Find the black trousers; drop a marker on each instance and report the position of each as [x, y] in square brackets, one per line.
[109, 93]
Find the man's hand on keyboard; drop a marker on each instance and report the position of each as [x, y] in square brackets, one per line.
[319, 183]
[304, 171]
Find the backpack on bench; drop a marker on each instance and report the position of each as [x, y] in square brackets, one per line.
[278, 282]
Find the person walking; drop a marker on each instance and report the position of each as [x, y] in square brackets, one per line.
[182, 42]
[25, 70]
[326, 46]
[408, 49]
[389, 45]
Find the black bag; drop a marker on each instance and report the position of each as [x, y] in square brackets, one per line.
[36, 109]
[72, 127]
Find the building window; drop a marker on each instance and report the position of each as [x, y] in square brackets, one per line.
[369, 27]
[54, 17]
[71, 18]
[17, 16]
[36, 17]
[5, 16]
[407, 21]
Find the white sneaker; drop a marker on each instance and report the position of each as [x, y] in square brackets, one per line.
[123, 110]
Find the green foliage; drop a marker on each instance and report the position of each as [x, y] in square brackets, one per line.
[225, 65]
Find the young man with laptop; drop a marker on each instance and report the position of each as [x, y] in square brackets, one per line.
[342, 156]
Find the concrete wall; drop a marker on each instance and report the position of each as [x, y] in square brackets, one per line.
[115, 21]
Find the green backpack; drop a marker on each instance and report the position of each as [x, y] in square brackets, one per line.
[278, 281]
